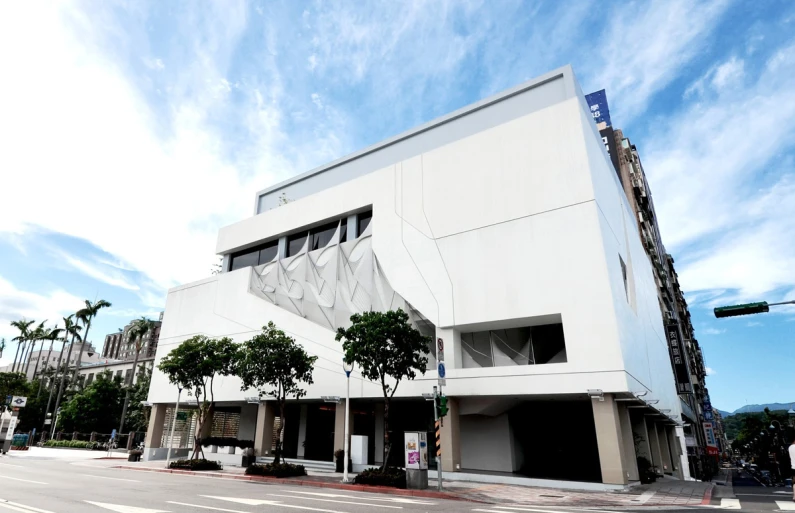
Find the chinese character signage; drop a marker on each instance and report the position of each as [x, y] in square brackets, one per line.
[709, 433]
[597, 103]
[681, 373]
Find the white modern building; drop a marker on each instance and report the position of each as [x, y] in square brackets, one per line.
[500, 228]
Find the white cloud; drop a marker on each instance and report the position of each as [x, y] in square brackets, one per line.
[711, 371]
[156, 64]
[712, 331]
[317, 101]
[752, 324]
[724, 186]
[719, 77]
[98, 271]
[16, 304]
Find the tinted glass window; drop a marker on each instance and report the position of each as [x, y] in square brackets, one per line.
[295, 243]
[268, 253]
[363, 220]
[322, 235]
[344, 231]
[245, 260]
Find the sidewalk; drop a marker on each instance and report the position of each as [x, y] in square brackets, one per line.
[665, 492]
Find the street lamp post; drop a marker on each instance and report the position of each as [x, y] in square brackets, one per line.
[747, 309]
[173, 425]
[347, 367]
[55, 426]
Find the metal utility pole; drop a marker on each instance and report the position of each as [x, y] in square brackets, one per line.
[747, 309]
[438, 437]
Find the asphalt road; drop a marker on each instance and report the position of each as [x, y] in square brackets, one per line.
[750, 495]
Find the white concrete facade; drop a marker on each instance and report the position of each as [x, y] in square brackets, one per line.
[504, 214]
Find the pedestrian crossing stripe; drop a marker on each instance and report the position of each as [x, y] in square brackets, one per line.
[786, 505]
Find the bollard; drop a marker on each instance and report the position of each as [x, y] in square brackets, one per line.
[74, 435]
[130, 440]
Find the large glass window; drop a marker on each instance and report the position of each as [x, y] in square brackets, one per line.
[244, 260]
[532, 345]
[363, 221]
[321, 236]
[295, 243]
[268, 252]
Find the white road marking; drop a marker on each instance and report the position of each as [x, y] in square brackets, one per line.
[730, 503]
[403, 500]
[10, 465]
[23, 480]
[644, 497]
[492, 510]
[260, 502]
[105, 477]
[121, 508]
[206, 507]
[536, 510]
[782, 492]
[21, 507]
[786, 505]
[333, 500]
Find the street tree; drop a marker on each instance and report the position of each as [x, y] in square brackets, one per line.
[12, 383]
[52, 335]
[71, 329]
[24, 334]
[140, 328]
[274, 365]
[94, 408]
[387, 349]
[137, 413]
[193, 366]
[86, 315]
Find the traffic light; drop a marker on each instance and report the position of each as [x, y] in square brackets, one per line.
[746, 309]
[442, 406]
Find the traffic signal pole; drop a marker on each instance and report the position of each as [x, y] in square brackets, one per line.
[747, 309]
[437, 436]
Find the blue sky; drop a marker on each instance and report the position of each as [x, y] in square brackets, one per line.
[131, 131]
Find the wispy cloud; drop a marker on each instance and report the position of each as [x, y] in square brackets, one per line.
[711, 371]
[711, 331]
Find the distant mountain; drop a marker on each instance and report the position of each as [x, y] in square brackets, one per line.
[724, 414]
[753, 408]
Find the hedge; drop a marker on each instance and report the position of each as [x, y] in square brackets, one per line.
[280, 470]
[79, 444]
[393, 476]
[197, 464]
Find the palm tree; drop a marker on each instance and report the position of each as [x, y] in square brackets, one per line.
[24, 333]
[70, 329]
[50, 334]
[85, 316]
[138, 330]
[37, 336]
[2, 346]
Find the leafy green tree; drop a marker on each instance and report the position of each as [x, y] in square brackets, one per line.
[86, 315]
[193, 366]
[30, 416]
[12, 383]
[137, 332]
[95, 408]
[273, 364]
[387, 349]
[138, 414]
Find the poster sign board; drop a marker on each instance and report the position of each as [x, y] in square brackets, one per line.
[12, 424]
[416, 450]
[709, 433]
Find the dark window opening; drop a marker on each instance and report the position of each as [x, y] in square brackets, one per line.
[268, 252]
[363, 221]
[295, 243]
[244, 260]
[321, 236]
[532, 345]
[344, 230]
[624, 274]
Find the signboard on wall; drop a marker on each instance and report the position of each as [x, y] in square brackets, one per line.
[609, 141]
[709, 433]
[681, 373]
[597, 103]
[416, 450]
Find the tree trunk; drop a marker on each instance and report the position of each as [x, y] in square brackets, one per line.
[26, 359]
[16, 355]
[63, 376]
[387, 441]
[278, 454]
[47, 363]
[52, 383]
[127, 394]
[36, 368]
[32, 345]
[80, 359]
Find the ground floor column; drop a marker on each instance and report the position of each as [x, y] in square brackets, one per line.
[684, 462]
[654, 443]
[451, 439]
[302, 431]
[665, 449]
[609, 440]
[339, 426]
[676, 453]
[641, 435]
[263, 436]
[628, 439]
[378, 457]
[154, 432]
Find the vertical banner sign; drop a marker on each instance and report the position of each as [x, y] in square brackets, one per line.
[709, 433]
[681, 373]
[440, 365]
[412, 449]
[597, 103]
[12, 424]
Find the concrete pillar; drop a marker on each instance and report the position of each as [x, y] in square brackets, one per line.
[665, 450]
[451, 438]
[263, 436]
[452, 347]
[339, 426]
[654, 444]
[352, 227]
[640, 434]
[628, 439]
[378, 457]
[154, 432]
[676, 452]
[302, 430]
[248, 422]
[609, 440]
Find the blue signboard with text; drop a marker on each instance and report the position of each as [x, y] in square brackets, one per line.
[597, 103]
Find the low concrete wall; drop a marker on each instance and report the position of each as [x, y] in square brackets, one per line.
[160, 453]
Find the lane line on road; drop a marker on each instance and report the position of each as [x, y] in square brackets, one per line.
[261, 502]
[563, 510]
[402, 500]
[333, 500]
[23, 480]
[207, 507]
[21, 507]
[786, 505]
[105, 477]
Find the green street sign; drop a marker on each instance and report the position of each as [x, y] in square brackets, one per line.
[182, 416]
[746, 309]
